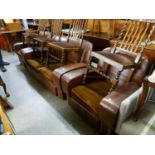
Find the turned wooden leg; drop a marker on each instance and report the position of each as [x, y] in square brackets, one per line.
[142, 100]
[4, 87]
[115, 81]
[63, 57]
[42, 48]
[47, 56]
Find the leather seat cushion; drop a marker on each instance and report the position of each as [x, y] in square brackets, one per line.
[46, 72]
[34, 63]
[87, 98]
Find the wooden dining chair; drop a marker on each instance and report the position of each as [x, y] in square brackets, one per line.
[43, 25]
[54, 34]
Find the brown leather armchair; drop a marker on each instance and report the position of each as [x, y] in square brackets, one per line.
[66, 76]
[93, 101]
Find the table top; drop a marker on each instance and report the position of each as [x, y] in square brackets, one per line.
[12, 31]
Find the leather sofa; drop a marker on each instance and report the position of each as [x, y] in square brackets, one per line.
[31, 60]
[93, 102]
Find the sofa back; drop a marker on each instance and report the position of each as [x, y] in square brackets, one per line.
[82, 55]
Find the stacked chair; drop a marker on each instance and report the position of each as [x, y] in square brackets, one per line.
[55, 35]
[42, 31]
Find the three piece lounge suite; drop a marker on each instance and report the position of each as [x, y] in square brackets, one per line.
[95, 89]
[105, 111]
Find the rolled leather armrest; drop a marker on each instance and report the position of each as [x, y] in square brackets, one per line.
[71, 80]
[59, 72]
[18, 46]
[110, 106]
[27, 53]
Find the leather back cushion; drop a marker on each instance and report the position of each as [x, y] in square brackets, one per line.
[83, 55]
[138, 75]
[141, 71]
[87, 47]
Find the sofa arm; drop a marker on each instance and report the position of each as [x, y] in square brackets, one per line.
[71, 80]
[67, 68]
[110, 105]
[27, 53]
[18, 46]
[59, 72]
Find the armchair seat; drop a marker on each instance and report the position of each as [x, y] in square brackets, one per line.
[90, 95]
[87, 98]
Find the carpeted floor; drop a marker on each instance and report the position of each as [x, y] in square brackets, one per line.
[36, 111]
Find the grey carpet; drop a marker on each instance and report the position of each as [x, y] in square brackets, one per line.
[37, 111]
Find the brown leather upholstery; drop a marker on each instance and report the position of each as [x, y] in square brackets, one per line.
[109, 106]
[24, 54]
[17, 47]
[62, 77]
[92, 100]
[59, 72]
[46, 72]
[33, 63]
[45, 75]
[87, 98]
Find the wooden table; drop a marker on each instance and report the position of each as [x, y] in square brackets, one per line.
[8, 33]
[148, 82]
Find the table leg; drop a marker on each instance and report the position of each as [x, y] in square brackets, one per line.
[8, 42]
[142, 100]
[63, 57]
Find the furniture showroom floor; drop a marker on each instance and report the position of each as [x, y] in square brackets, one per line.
[38, 112]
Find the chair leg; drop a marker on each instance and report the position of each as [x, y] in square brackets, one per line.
[5, 90]
[4, 87]
[116, 80]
